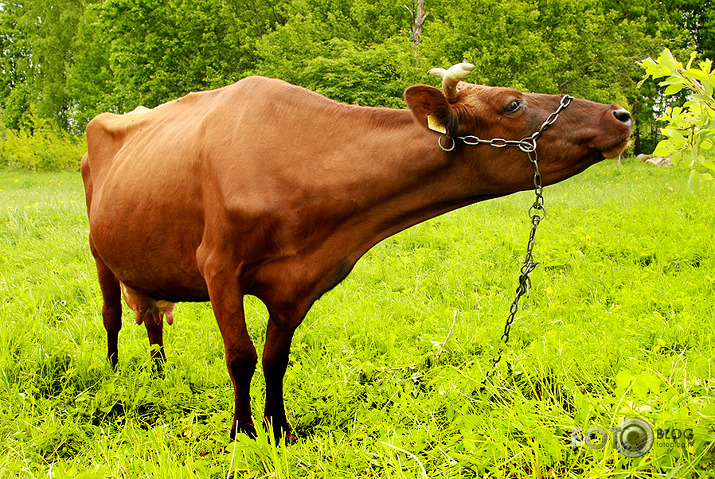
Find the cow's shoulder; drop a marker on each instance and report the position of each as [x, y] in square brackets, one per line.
[271, 94]
[112, 124]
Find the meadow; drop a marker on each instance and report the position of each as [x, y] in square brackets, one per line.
[386, 371]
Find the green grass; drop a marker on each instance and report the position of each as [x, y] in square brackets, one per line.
[619, 323]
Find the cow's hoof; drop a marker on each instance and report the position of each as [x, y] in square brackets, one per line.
[248, 431]
[290, 439]
[286, 437]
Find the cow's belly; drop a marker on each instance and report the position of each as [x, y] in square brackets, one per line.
[159, 267]
[148, 238]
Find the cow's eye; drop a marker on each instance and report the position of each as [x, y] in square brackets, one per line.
[513, 106]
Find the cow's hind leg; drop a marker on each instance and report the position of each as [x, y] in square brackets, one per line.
[111, 308]
[154, 330]
[151, 312]
[275, 362]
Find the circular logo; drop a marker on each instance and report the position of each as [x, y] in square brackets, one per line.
[634, 437]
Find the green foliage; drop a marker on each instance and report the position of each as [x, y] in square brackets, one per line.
[76, 58]
[375, 75]
[14, 60]
[690, 129]
[616, 325]
[561, 46]
[161, 50]
[42, 45]
[39, 146]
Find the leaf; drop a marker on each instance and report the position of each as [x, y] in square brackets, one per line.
[706, 177]
[645, 384]
[648, 63]
[624, 380]
[674, 471]
[673, 89]
[694, 181]
[678, 141]
[696, 74]
[702, 98]
[667, 59]
[657, 71]
[693, 55]
[663, 148]
[674, 81]
[675, 157]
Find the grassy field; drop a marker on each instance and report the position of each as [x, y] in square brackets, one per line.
[386, 370]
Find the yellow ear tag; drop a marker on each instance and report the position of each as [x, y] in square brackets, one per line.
[435, 125]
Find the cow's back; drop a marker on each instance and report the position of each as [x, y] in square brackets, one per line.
[224, 129]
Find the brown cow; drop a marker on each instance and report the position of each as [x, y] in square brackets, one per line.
[268, 189]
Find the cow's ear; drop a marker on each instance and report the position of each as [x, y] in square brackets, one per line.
[431, 109]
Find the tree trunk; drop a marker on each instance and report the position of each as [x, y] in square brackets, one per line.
[418, 19]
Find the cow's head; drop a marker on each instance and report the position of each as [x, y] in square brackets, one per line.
[585, 132]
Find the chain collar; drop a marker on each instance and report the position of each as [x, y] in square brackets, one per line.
[526, 144]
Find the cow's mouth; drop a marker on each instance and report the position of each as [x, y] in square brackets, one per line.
[616, 151]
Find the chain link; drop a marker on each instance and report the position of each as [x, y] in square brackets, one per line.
[536, 213]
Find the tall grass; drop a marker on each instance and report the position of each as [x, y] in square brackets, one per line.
[382, 382]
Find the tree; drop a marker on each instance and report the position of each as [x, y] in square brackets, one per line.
[76, 58]
[698, 17]
[14, 65]
[418, 20]
[581, 47]
[14, 61]
[350, 50]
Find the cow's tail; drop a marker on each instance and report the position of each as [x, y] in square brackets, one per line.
[87, 179]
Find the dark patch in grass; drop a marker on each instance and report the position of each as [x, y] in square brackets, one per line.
[682, 265]
[112, 415]
[61, 444]
[673, 350]
[149, 414]
[543, 388]
[565, 267]
[53, 374]
[646, 260]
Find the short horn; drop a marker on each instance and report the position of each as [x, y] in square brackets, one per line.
[451, 77]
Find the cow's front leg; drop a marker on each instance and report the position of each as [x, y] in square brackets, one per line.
[241, 357]
[275, 362]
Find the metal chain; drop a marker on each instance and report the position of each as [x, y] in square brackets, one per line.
[526, 144]
[536, 213]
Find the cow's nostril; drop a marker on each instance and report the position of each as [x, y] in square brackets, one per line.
[623, 115]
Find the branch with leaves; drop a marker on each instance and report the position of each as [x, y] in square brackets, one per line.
[690, 129]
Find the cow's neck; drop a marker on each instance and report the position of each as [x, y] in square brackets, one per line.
[407, 179]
